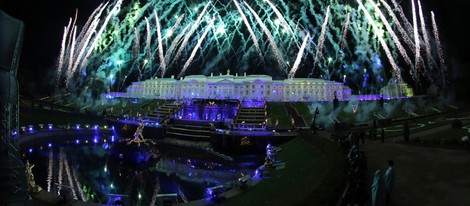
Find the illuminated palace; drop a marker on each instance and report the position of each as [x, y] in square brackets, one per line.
[246, 87]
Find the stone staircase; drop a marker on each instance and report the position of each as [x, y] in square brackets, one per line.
[189, 132]
[163, 112]
[251, 118]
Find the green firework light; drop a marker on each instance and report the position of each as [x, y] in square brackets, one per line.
[253, 36]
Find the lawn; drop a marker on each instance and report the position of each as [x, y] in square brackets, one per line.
[314, 175]
[448, 134]
[276, 111]
[303, 110]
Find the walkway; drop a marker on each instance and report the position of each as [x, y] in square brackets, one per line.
[299, 120]
[424, 176]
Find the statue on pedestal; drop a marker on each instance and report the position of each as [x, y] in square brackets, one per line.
[32, 187]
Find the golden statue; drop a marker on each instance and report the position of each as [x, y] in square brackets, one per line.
[138, 136]
[32, 187]
[245, 141]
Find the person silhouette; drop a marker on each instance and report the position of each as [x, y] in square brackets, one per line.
[389, 179]
[378, 190]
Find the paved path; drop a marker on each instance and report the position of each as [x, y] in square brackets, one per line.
[424, 176]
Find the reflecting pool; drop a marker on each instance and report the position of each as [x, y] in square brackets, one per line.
[86, 170]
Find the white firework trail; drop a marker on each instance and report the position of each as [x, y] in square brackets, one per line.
[425, 35]
[61, 170]
[155, 191]
[173, 46]
[160, 44]
[50, 170]
[72, 49]
[250, 30]
[395, 39]
[89, 31]
[64, 46]
[62, 54]
[173, 29]
[73, 26]
[299, 57]
[103, 26]
[400, 28]
[417, 44]
[272, 43]
[396, 70]
[193, 53]
[69, 177]
[440, 52]
[148, 41]
[136, 44]
[191, 31]
[402, 16]
[345, 32]
[79, 186]
[321, 40]
[88, 22]
[280, 17]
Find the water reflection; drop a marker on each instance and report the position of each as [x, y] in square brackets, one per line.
[90, 173]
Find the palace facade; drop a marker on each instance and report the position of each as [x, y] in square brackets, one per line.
[246, 87]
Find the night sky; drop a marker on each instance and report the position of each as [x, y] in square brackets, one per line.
[45, 20]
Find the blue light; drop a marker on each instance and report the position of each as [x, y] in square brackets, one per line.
[77, 141]
[95, 140]
[49, 145]
[112, 138]
[77, 126]
[30, 150]
[95, 127]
